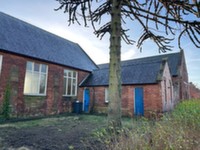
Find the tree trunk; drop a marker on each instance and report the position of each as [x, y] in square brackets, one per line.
[114, 108]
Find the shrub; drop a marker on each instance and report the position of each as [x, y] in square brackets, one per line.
[187, 113]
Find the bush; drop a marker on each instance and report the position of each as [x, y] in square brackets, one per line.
[187, 113]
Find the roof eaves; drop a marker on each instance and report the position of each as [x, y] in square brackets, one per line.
[47, 61]
[88, 56]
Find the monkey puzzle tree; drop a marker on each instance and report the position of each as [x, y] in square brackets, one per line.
[152, 15]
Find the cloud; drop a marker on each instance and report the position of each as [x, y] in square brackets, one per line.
[129, 54]
[193, 60]
[94, 47]
[42, 14]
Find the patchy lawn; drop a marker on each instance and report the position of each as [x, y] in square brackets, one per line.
[54, 133]
[179, 129]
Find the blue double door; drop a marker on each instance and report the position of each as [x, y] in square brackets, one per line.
[138, 102]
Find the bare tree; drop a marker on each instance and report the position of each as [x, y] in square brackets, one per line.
[153, 15]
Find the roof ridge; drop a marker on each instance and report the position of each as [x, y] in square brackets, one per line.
[133, 64]
[152, 56]
[143, 58]
[140, 63]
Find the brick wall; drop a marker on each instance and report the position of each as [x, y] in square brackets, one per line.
[157, 97]
[194, 92]
[152, 99]
[97, 98]
[13, 70]
[167, 90]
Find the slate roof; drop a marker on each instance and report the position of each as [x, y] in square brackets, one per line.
[173, 59]
[136, 71]
[21, 38]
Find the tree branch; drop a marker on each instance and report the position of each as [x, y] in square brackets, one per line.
[165, 14]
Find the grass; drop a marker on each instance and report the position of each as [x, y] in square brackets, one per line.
[54, 121]
[177, 130]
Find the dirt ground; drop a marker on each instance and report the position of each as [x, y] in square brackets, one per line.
[72, 132]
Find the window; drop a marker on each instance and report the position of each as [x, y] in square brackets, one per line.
[35, 79]
[106, 95]
[1, 57]
[70, 83]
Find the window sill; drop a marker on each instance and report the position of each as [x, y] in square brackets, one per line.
[69, 95]
[35, 95]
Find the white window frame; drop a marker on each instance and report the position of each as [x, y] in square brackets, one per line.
[1, 60]
[40, 74]
[72, 78]
[106, 95]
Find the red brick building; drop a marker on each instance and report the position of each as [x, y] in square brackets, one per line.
[47, 73]
[154, 84]
[42, 69]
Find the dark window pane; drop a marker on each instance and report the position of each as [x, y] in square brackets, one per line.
[42, 84]
[36, 67]
[74, 87]
[74, 74]
[43, 68]
[69, 86]
[70, 74]
[65, 73]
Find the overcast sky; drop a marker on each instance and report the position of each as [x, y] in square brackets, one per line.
[41, 14]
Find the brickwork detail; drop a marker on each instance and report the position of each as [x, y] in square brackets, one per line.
[13, 71]
[157, 97]
[152, 99]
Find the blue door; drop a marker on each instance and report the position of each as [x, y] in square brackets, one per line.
[139, 102]
[86, 100]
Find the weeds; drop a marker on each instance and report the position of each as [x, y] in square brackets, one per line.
[178, 130]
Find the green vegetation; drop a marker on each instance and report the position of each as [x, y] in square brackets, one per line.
[177, 130]
[63, 121]
[5, 110]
